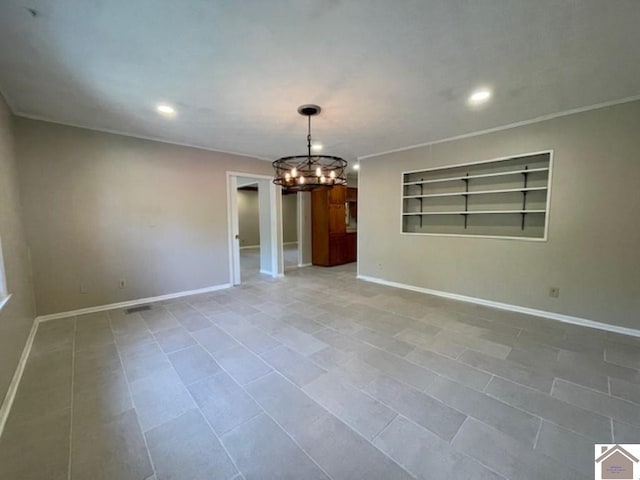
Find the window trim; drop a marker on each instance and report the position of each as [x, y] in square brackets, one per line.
[4, 300]
[4, 292]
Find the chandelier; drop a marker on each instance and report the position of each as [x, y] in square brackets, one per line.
[308, 172]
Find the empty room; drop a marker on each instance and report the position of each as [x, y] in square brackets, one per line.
[319, 239]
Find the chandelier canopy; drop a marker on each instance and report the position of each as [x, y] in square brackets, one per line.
[308, 172]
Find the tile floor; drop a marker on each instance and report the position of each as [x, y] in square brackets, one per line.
[319, 376]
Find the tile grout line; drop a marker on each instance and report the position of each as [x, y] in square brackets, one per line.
[548, 420]
[144, 437]
[424, 392]
[597, 391]
[73, 375]
[535, 440]
[218, 437]
[256, 402]
[373, 439]
[242, 387]
[613, 439]
[277, 372]
[450, 442]
[484, 390]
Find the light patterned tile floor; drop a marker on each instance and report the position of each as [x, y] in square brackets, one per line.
[318, 375]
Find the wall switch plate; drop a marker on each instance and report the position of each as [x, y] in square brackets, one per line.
[554, 292]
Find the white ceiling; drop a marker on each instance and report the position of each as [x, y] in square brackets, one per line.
[387, 74]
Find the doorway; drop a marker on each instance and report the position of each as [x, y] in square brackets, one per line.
[267, 254]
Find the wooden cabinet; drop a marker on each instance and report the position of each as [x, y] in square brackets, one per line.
[351, 247]
[331, 243]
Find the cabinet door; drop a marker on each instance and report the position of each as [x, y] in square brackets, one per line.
[352, 194]
[337, 218]
[351, 245]
[337, 249]
[337, 195]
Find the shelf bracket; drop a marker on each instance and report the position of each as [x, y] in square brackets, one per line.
[466, 199]
[524, 195]
[421, 199]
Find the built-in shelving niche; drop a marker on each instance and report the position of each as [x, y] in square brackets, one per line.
[505, 198]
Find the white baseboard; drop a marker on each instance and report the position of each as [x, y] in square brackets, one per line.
[286, 244]
[7, 403]
[506, 306]
[131, 303]
[302, 265]
[5, 408]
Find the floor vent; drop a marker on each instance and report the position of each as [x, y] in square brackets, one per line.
[141, 308]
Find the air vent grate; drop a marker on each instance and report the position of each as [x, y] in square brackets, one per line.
[141, 308]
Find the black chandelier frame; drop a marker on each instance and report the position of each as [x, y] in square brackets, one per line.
[309, 172]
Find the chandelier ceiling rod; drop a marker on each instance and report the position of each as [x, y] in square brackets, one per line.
[309, 136]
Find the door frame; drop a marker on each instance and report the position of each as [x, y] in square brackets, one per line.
[275, 225]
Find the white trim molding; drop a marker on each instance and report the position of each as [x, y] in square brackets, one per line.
[7, 403]
[42, 118]
[303, 265]
[508, 126]
[4, 300]
[583, 322]
[131, 303]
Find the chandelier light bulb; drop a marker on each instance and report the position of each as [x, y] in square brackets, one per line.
[301, 180]
[332, 174]
[294, 172]
[323, 179]
[287, 176]
[318, 172]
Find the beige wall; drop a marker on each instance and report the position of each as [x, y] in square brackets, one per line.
[16, 318]
[290, 218]
[592, 253]
[248, 218]
[102, 207]
[304, 228]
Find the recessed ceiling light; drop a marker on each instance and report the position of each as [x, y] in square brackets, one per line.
[356, 166]
[166, 110]
[480, 96]
[316, 147]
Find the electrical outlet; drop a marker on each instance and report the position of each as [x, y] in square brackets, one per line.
[554, 292]
[122, 283]
[83, 288]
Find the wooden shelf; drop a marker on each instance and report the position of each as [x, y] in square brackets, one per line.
[513, 181]
[476, 212]
[481, 192]
[480, 175]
